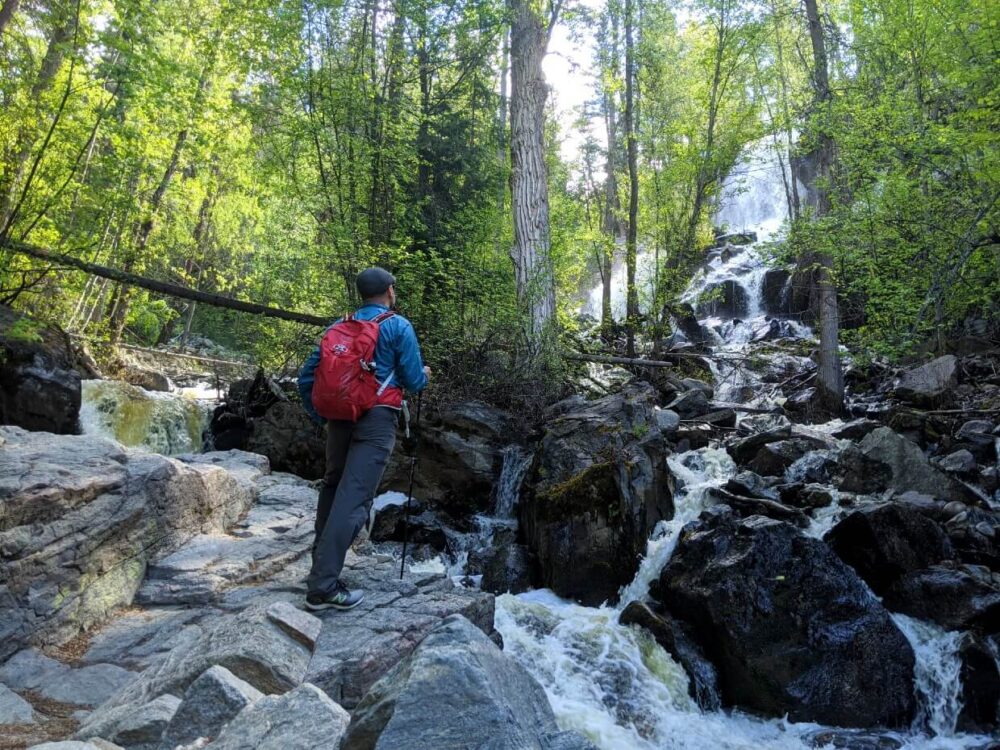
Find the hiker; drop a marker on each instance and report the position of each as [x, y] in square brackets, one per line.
[360, 401]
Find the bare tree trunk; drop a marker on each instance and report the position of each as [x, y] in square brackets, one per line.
[502, 132]
[11, 182]
[829, 377]
[631, 240]
[529, 178]
[7, 11]
[611, 221]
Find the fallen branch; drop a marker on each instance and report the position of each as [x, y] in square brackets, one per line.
[162, 287]
[937, 412]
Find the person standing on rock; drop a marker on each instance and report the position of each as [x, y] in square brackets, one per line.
[353, 382]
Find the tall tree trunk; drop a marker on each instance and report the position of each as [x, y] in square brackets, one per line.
[829, 378]
[7, 10]
[631, 240]
[502, 133]
[529, 178]
[11, 182]
[611, 219]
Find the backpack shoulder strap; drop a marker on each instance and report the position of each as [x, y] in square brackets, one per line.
[382, 317]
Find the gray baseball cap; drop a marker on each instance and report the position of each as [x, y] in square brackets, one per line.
[374, 281]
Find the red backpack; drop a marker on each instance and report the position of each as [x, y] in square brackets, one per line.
[345, 386]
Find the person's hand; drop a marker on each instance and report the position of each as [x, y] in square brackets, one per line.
[427, 372]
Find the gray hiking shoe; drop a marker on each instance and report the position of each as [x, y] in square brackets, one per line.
[340, 598]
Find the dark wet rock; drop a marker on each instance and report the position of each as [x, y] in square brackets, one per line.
[857, 472]
[751, 506]
[743, 450]
[505, 568]
[726, 299]
[977, 436]
[846, 739]
[980, 680]
[690, 404]
[884, 542]
[393, 524]
[789, 626]
[815, 466]
[909, 467]
[455, 665]
[748, 484]
[956, 597]
[736, 238]
[599, 487]
[775, 458]
[668, 421]
[687, 323]
[671, 635]
[358, 647]
[692, 435]
[39, 386]
[290, 439]
[725, 418]
[772, 293]
[812, 496]
[856, 429]
[301, 718]
[150, 380]
[975, 534]
[211, 702]
[930, 384]
[461, 453]
[81, 518]
[960, 462]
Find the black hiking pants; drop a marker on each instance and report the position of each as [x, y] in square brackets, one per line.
[356, 457]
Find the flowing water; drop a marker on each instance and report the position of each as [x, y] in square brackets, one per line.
[613, 683]
[167, 423]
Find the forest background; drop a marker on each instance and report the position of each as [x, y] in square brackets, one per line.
[268, 151]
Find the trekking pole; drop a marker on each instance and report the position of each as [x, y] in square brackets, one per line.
[409, 495]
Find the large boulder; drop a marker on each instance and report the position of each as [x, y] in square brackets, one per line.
[460, 457]
[209, 704]
[931, 384]
[726, 299]
[957, 597]
[80, 518]
[600, 486]
[291, 441]
[774, 298]
[980, 679]
[885, 541]
[790, 627]
[909, 468]
[457, 689]
[39, 387]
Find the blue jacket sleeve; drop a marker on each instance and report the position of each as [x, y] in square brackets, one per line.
[409, 365]
[307, 375]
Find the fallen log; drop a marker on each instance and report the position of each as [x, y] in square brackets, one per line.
[163, 287]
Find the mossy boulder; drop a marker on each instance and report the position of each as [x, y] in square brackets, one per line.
[599, 486]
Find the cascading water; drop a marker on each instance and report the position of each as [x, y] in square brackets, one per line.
[165, 423]
[516, 462]
[612, 682]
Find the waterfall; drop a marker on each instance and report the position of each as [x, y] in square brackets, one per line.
[516, 461]
[937, 673]
[165, 423]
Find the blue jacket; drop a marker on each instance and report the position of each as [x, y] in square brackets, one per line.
[397, 354]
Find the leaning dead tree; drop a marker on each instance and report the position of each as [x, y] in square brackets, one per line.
[163, 287]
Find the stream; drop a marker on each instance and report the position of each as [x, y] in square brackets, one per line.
[613, 682]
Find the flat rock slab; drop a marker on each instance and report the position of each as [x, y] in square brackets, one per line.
[14, 709]
[356, 648]
[80, 518]
[135, 726]
[87, 686]
[276, 532]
